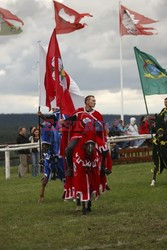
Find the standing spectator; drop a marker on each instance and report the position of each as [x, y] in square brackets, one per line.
[35, 153]
[133, 130]
[106, 125]
[31, 131]
[122, 130]
[114, 129]
[24, 153]
[144, 126]
[118, 129]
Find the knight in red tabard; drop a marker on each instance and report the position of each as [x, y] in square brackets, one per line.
[84, 120]
[86, 178]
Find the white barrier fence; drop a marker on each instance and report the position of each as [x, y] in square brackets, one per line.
[113, 139]
[16, 147]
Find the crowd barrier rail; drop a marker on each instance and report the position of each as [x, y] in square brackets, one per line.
[16, 147]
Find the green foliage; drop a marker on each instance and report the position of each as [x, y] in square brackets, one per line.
[132, 215]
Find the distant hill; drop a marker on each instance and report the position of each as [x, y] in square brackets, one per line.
[110, 118]
[9, 124]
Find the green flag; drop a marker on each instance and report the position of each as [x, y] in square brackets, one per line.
[152, 76]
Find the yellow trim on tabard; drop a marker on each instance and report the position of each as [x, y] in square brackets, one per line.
[163, 142]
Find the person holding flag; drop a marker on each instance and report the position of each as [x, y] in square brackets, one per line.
[163, 112]
[154, 81]
[57, 83]
[161, 120]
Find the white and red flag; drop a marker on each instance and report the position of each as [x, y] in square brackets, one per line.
[131, 23]
[56, 80]
[67, 19]
[47, 89]
[8, 27]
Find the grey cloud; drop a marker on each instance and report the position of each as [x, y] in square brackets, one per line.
[86, 53]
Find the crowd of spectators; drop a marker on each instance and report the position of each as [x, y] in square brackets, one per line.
[27, 156]
[118, 128]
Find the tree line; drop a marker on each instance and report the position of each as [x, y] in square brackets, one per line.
[9, 124]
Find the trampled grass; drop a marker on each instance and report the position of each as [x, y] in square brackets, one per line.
[132, 215]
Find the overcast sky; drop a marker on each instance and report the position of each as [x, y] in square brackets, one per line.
[90, 55]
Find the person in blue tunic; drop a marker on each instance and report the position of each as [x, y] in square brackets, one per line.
[50, 138]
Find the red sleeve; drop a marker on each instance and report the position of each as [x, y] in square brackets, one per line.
[101, 134]
[77, 111]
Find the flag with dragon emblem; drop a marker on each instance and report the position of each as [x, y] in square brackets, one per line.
[67, 19]
[131, 23]
[56, 80]
[153, 77]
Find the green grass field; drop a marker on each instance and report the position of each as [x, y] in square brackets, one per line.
[132, 215]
